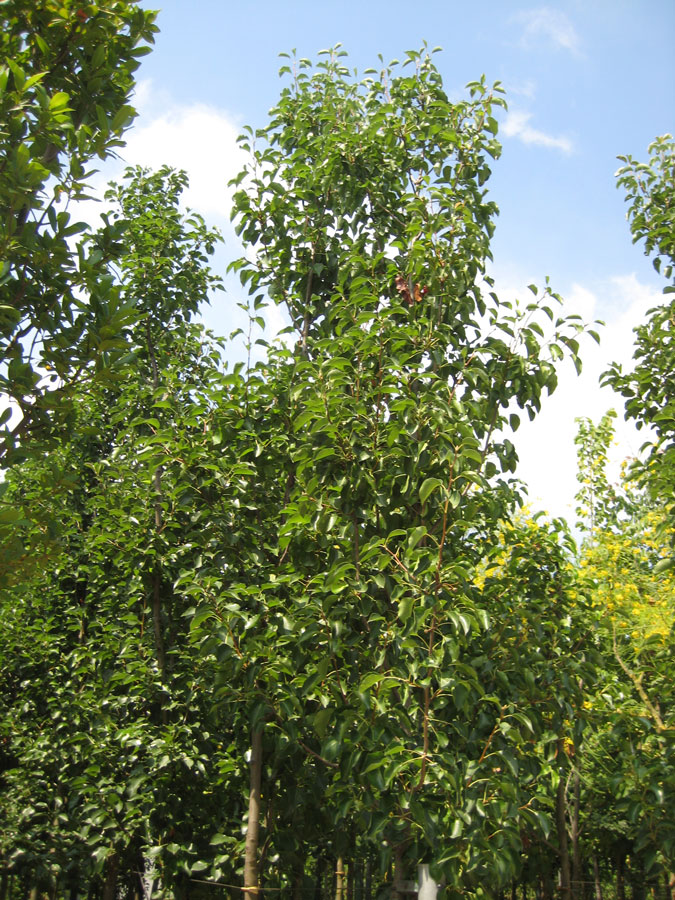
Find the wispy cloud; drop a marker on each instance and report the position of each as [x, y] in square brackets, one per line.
[550, 25]
[527, 88]
[516, 126]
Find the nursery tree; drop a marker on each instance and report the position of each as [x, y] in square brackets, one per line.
[66, 79]
[648, 388]
[359, 618]
[103, 728]
[626, 796]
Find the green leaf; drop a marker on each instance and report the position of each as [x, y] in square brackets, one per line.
[428, 486]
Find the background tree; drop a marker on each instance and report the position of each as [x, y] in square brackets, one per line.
[648, 389]
[102, 713]
[626, 797]
[65, 85]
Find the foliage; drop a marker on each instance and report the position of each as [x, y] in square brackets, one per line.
[648, 391]
[366, 637]
[65, 84]
[105, 735]
[327, 548]
[628, 796]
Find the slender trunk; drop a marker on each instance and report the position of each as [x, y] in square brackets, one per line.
[350, 880]
[596, 878]
[298, 877]
[110, 884]
[251, 886]
[4, 883]
[670, 885]
[547, 887]
[358, 878]
[368, 883]
[621, 877]
[514, 890]
[576, 850]
[637, 882]
[397, 893]
[339, 878]
[561, 825]
[318, 878]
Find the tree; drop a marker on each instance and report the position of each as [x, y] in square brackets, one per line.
[303, 581]
[358, 616]
[102, 726]
[648, 389]
[626, 796]
[65, 87]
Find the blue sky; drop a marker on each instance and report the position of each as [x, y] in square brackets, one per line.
[585, 81]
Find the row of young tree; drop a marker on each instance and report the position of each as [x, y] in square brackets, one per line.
[285, 626]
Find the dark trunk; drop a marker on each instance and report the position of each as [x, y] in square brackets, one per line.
[637, 882]
[596, 878]
[398, 873]
[111, 870]
[298, 877]
[621, 877]
[358, 879]
[577, 878]
[318, 878]
[368, 880]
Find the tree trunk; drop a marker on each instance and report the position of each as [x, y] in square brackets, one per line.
[398, 873]
[251, 886]
[561, 826]
[577, 887]
[596, 878]
[112, 866]
[620, 877]
[298, 877]
[368, 883]
[318, 878]
[339, 878]
[637, 882]
[358, 878]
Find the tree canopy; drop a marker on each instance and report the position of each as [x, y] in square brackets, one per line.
[286, 625]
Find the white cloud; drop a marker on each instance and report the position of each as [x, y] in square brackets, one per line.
[550, 25]
[516, 125]
[527, 88]
[198, 138]
[546, 446]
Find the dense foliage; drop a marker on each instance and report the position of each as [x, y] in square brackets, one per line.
[649, 389]
[286, 625]
[66, 76]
